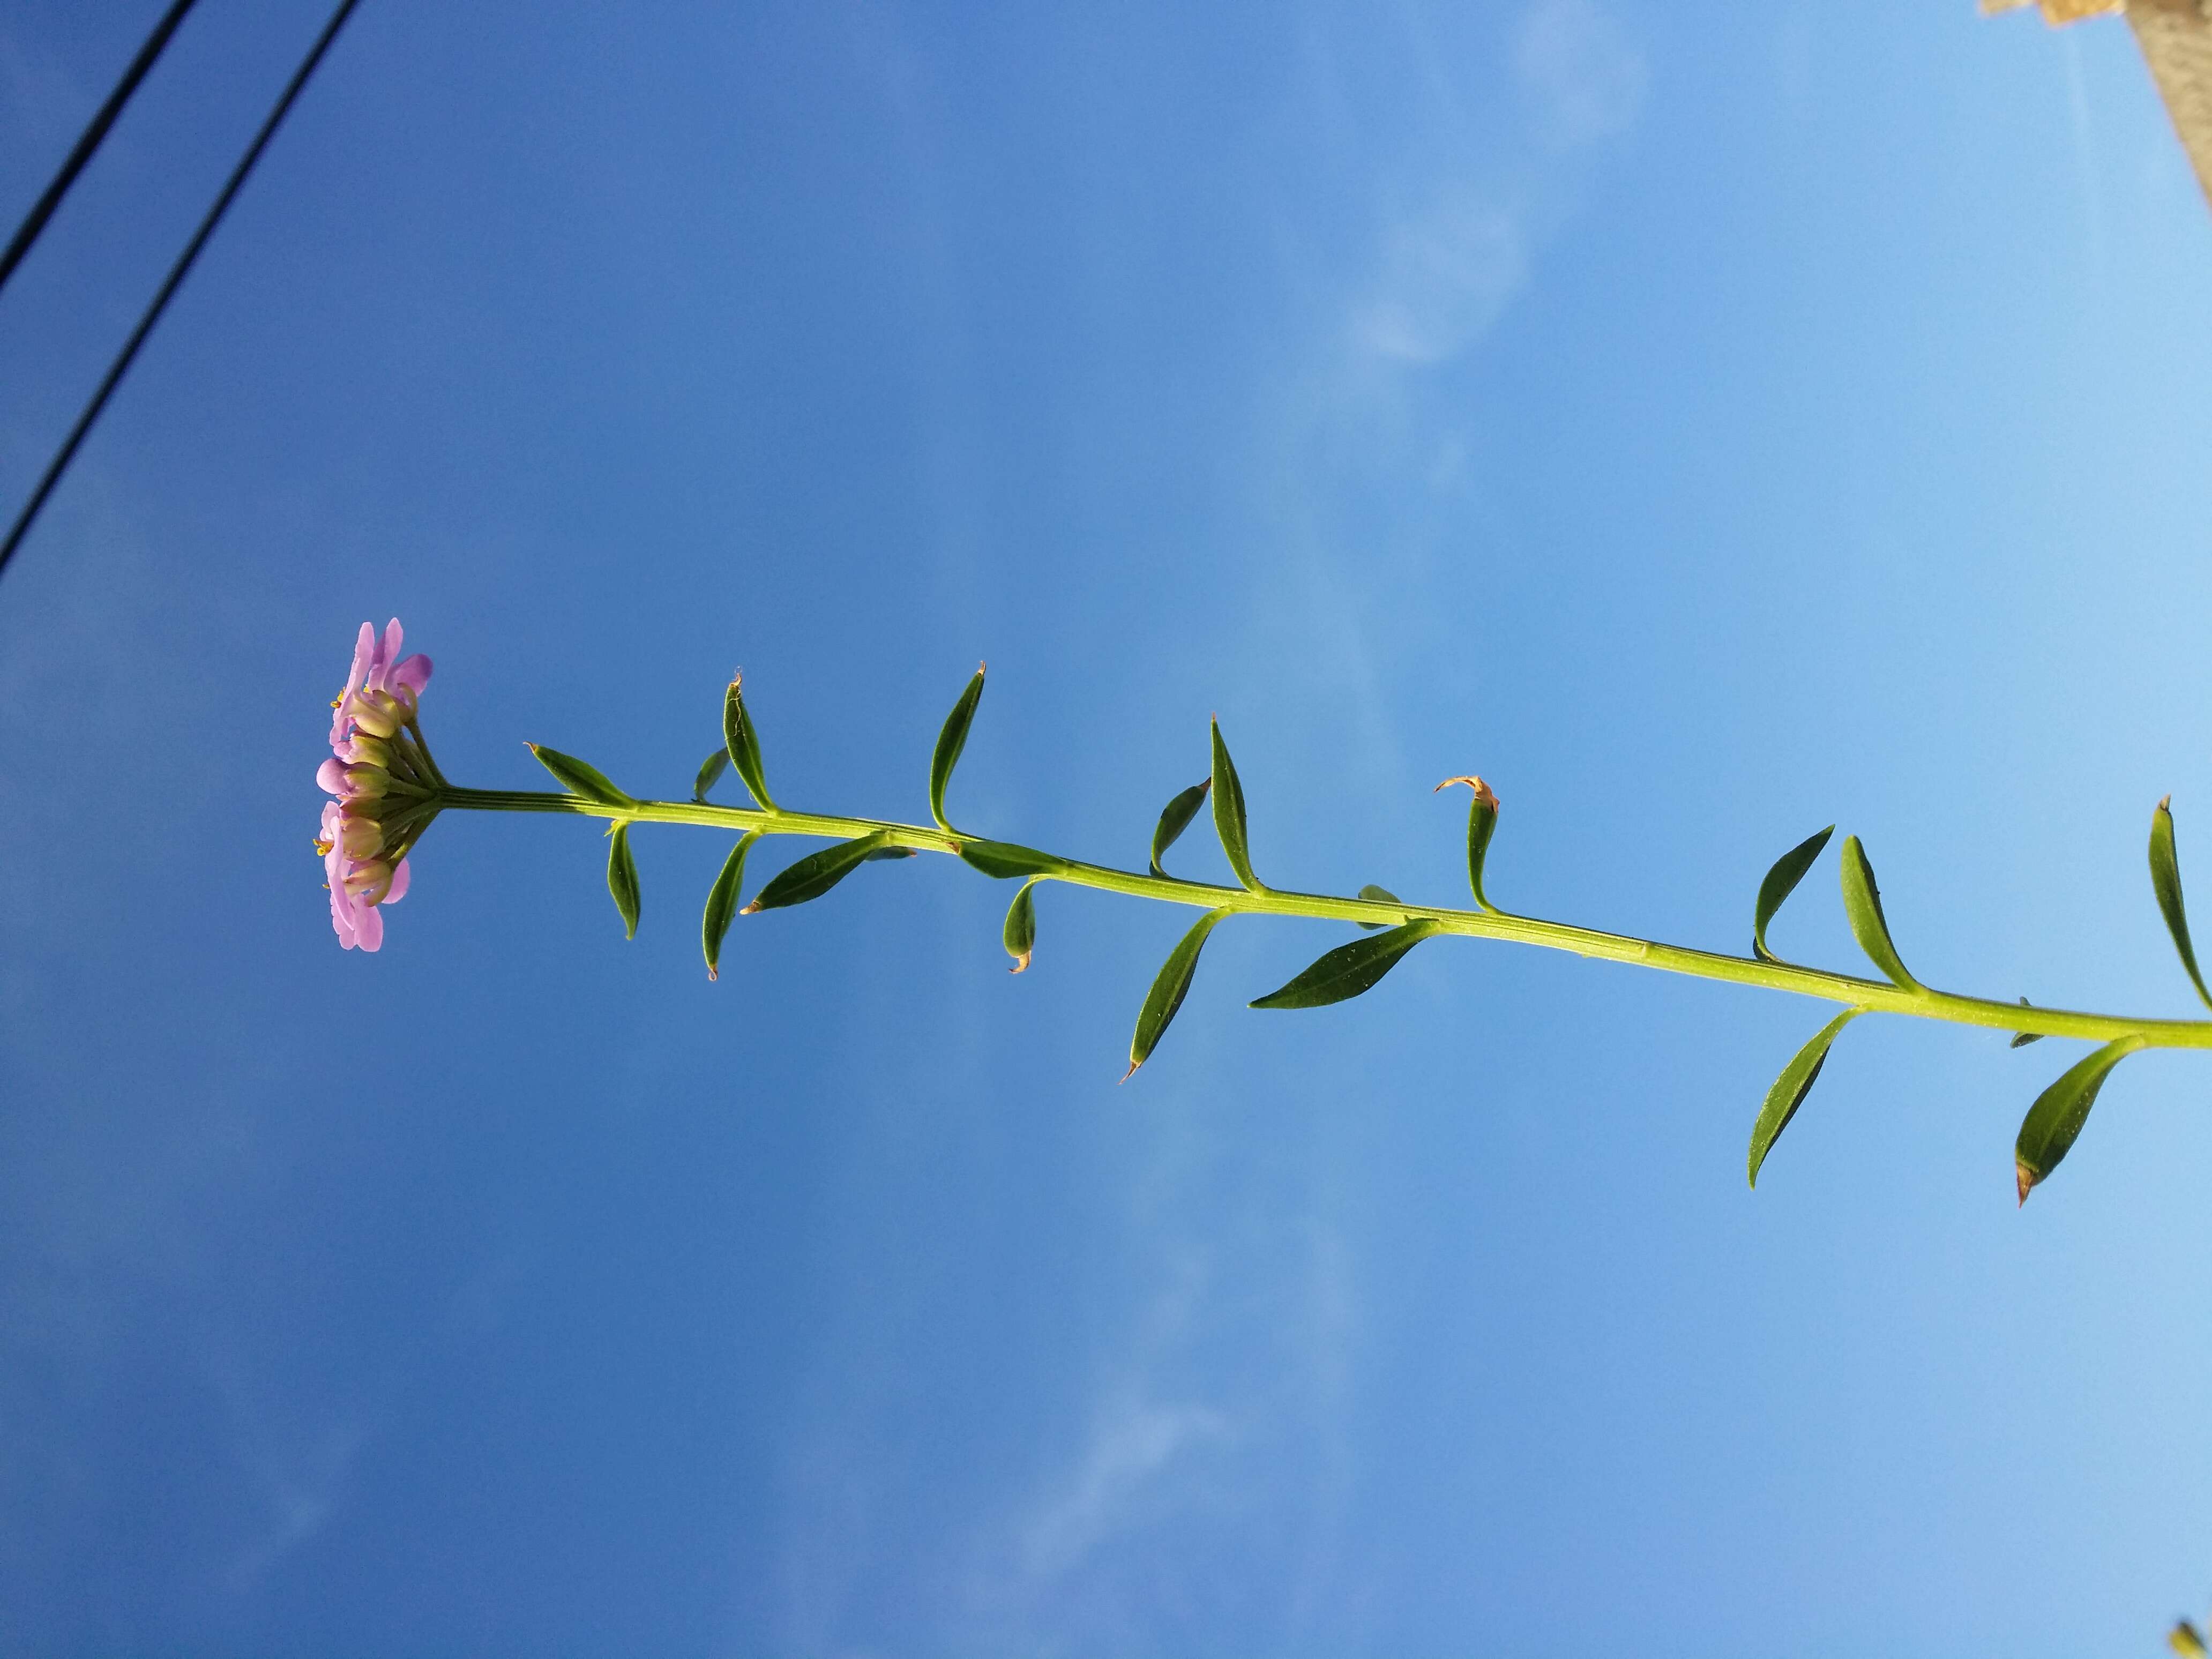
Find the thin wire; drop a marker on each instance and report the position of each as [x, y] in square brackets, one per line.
[43, 209]
[121, 363]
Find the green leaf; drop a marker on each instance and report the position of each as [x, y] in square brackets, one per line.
[1020, 932]
[1782, 881]
[578, 778]
[1481, 824]
[2047, 1133]
[622, 878]
[1349, 969]
[1175, 818]
[2022, 1039]
[1002, 860]
[1862, 905]
[2165, 881]
[742, 744]
[1168, 987]
[950, 742]
[1229, 813]
[1378, 896]
[722, 904]
[815, 874]
[710, 770]
[1795, 1082]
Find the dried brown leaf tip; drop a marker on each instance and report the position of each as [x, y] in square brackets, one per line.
[1483, 791]
[1021, 962]
[2023, 1178]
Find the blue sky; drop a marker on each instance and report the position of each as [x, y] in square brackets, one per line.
[1705, 429]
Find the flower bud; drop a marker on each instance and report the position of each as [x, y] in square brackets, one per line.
[369, 882]
[375, 713]
[369, 752]
[361, 837]
[365, 781]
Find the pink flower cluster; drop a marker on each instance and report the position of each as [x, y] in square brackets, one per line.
[378, 778]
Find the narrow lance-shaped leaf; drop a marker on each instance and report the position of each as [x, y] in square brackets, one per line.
[1349, 969]
[1019, 933]
[622, 878]
[1378, 896]
[1791, 1088]
[1481, 824]
[710, 770]
[1782, 881]
[1862, 905]
[2022, 1039]
[579, 778]
[722, 904]
[1169, 987]
[815, 874]
[2047, 1133]
[1002, 860]
[951, 740]
[1175, 818]
[2165, 881]
[1229, 813]
[742, 744]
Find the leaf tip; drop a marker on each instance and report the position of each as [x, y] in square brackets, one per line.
[712, 972]
[1131, 1072]
[1483, 791]
[751, 909]
[2025, 1179]
[2165, 805]
[1021, 963]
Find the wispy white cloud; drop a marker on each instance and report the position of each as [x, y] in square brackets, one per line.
[1137, 1450]
[1447, 276]
[1585, 77]
[1447, 269]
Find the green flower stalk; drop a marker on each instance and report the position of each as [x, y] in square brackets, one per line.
[1393, 928]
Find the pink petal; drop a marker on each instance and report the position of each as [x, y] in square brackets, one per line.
[399, 884]
[364, 653]
[414, 673]
[341, 914]
[387, 652]
[330, 778]
[368, 928]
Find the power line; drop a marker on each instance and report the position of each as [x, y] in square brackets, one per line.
[121, 363]
[43, 209]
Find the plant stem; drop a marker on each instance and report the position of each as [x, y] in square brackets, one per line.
[1877, 996]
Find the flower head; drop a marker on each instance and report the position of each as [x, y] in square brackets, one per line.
[384, 783]
[381, 685]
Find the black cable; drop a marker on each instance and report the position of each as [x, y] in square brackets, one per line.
[43, 209]
[116, 370]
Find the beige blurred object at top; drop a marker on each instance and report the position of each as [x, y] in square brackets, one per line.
[2176, 38]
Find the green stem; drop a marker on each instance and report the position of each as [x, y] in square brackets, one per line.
[1877, 996]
